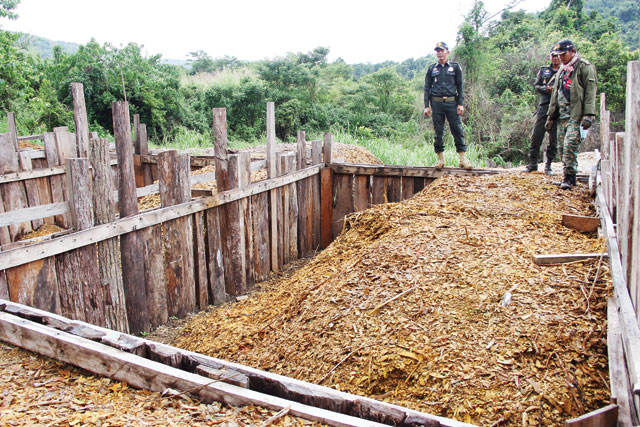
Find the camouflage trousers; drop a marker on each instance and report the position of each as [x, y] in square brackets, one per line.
[568, 144]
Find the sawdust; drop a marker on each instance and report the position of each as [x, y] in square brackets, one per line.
[435, 304]
[36, 390]
[43, 230]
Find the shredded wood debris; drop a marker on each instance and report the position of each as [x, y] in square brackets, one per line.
[43, 230]
[435, 304]
[36, 390]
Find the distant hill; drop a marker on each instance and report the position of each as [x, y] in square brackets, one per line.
[44, 47]
[627, 12]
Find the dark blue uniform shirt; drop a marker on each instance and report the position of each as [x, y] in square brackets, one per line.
[444, 80]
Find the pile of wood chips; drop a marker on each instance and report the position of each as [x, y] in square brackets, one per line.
[36, 390]
[435, 304]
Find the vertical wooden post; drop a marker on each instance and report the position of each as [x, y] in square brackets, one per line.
[80, 119]
[108, 250]
[283, 212]
[290, 160]
[272, 173]
[217, 294]
[632, 149]
[217, 273]
[326, 215]
[220, 148]
[244, 169]
[136, 134]
[327, 147]
[143, 147]
[173, 169]
[78, 271]
[57, 185]
[305, 226]
[233, 236]
[31, 186]
[13, 194]
[13, 129]
[131, 246]
[316, 159]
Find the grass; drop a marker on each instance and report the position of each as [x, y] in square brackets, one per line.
[409, 150]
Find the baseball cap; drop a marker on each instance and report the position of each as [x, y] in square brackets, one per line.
[562, 46]
[441, 45]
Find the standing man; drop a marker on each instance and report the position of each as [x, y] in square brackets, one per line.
[444, 97]
[544, 85]
[573, 104]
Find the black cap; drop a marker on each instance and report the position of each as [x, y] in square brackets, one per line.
[562, 46]
[441, 45]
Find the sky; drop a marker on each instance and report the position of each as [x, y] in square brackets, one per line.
[358, 31]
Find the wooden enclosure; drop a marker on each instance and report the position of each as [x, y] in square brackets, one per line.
[618, 191]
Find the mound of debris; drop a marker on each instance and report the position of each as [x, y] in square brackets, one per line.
[435, 304]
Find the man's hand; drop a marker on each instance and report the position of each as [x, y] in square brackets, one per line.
[548, 125]
[460, 110]
[427, 112]
[586, 122]
[548, 88]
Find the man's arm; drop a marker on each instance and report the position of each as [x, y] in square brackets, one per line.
[540, 86]
[459, 87]
[590, 85]
[428, 82]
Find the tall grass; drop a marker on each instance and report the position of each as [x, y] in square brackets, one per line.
[231, 77]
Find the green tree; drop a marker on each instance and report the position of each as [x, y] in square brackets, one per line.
[201, 62]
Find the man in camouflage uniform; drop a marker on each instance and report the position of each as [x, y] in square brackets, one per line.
[545, 80]
[573, 104]
[444, 98]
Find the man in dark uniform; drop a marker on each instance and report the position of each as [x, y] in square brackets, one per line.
[444, 98]
[544, 85]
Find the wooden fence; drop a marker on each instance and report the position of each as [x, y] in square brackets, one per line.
[619, 203]
[131, 272]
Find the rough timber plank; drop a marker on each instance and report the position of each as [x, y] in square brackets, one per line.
[131, 245]
[343, 204]
[326, 212]
[177, 240]
[563, 258]
[108, 250]
[629, 328]
[316, 158]
[217, 292]
[34, 284]
[262, 254]
[31, 186]
[618, 376]
[585, 224]
[632, 138]
[603, 417]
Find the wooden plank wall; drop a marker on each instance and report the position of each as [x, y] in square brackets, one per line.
[620, 201]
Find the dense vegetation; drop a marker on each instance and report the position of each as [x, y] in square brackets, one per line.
[376, 105]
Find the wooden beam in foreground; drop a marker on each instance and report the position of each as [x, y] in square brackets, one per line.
[564, 258]
[146, 374]
[95, 349]
[603, 417]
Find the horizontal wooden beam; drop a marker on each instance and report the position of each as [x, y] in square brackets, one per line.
[564, 258]
[19, 256]
[30, 137]
[31, 174]
[291, 389]
[146, 374]
[629, 328]
[36, 212]
[387, 170]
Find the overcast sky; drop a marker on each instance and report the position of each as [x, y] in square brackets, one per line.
[355, 30]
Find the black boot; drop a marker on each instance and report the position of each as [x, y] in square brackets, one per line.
[568, 182]
[532, 166]
[547, 168]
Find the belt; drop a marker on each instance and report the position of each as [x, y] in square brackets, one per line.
[443, 98]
